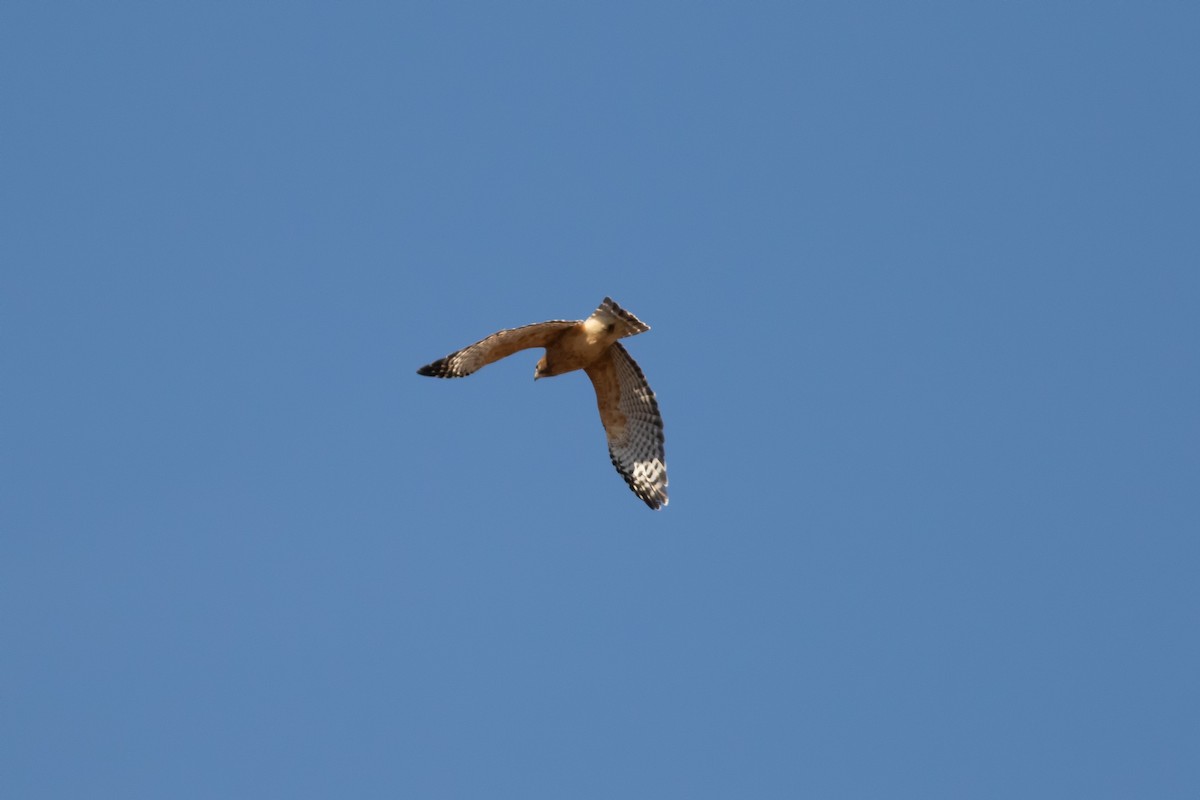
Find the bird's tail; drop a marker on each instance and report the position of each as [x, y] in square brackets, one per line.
[626, 324]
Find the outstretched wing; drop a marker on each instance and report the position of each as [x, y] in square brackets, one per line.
[633, 425]
[463, 362]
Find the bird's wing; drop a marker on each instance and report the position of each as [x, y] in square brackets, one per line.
[463, 362]
[632, 423]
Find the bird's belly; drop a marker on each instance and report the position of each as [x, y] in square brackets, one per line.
[575, 350]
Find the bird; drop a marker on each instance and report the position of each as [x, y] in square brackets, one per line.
[628, 408]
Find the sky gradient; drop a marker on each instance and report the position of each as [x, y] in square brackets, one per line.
[924, 289]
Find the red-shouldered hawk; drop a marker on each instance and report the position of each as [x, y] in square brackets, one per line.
[627, 405]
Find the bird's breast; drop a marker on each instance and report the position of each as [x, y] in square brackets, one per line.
[577, 348]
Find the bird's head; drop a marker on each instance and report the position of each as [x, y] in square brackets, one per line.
[542, 370]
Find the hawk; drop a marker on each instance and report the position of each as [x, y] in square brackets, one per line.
[628, 409]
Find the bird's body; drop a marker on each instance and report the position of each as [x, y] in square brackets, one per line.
[586, 342]
[627, 406]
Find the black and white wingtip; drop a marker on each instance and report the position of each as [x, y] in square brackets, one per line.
[442, 368]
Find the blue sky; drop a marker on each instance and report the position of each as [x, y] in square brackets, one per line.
[924, 283]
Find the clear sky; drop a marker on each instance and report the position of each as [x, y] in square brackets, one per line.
[924, 284]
